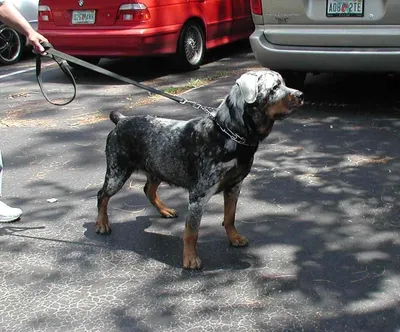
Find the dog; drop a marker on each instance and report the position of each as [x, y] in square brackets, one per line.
[197, 154]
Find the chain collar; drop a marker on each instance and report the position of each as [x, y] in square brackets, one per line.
[207, 109]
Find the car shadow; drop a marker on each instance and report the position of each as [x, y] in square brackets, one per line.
[350, 89]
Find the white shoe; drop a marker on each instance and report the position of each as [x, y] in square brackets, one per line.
[8, 214]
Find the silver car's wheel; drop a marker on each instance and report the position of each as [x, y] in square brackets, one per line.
[11, 45]
[191, 46]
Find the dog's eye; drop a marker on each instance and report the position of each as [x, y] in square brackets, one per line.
[276, 86]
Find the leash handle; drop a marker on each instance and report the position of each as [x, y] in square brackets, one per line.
[46, 45]
[63, 66]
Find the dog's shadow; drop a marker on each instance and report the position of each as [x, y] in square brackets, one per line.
[216, 254]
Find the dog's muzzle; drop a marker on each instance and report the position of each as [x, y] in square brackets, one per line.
[296, 100]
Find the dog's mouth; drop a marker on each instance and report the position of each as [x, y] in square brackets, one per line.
[292, 108]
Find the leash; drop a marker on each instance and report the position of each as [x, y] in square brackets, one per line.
[61, 59]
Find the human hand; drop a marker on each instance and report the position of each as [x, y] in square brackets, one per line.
[35, 39]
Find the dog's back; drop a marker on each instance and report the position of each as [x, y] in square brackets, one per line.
[168, 149]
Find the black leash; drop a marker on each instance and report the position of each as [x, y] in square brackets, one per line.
[62, 58]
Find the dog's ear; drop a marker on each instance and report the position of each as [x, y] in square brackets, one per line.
[248, 84]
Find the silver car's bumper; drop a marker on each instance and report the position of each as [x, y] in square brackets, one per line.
[323, 59]
[34, 24]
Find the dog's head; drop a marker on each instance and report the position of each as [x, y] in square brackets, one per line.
[256, 100]
[266, 91]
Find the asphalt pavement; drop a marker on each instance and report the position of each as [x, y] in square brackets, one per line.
[320, 209]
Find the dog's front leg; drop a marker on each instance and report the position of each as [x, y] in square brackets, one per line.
[231, 196]
[197, 203]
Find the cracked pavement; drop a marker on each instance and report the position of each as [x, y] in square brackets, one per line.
[320, 208]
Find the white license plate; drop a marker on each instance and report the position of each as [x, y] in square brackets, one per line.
[83, 16]
[344, 8]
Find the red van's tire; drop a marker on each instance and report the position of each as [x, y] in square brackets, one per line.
[191, 46]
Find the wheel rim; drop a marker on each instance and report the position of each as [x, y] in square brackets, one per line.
[193, 45]
[10, 44]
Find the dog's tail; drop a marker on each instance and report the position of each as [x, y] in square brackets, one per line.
[116, 116]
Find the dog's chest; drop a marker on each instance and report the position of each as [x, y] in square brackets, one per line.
[234, 171]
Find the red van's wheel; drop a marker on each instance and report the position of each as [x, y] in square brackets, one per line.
[191, 46]
[11, 45]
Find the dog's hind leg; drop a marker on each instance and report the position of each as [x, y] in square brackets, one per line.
[102, 223]
[150, 189]
[114, 181]
[118, 171]
[231, 196]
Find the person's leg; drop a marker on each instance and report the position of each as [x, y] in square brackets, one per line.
[1, 171]
[7, 213]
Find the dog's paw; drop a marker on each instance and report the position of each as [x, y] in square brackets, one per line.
[102, 228]
[239, 241]
[169, 213]
[192, 263]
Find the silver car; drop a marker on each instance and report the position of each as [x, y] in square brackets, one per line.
[296, 37]
[12, 44]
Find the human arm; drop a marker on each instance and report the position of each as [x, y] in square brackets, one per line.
[13, 18]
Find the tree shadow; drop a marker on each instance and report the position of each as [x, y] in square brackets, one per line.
[139, 237]
[320, 209]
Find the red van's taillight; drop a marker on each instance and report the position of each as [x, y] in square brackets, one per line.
[256, 7]
[45, 14]
[133, 12]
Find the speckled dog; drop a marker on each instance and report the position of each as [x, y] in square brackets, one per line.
[197, 154]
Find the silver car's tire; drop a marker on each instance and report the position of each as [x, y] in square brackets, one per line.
[11, 45]
[191, 46]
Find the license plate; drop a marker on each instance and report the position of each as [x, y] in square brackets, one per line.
[345, 8]
[83, 16]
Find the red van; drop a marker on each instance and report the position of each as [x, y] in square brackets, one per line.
[93, 29]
